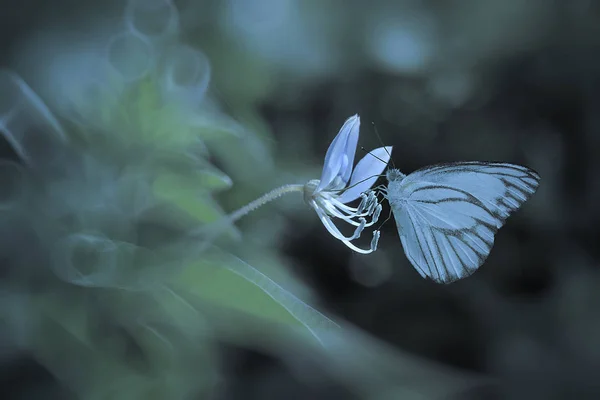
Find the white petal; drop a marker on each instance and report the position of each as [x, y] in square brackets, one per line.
[340, 155]
[366, 173]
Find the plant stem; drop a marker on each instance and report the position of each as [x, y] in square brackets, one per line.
[262, 200]
[212, 231]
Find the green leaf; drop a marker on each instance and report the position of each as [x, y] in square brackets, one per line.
[231, 282]
[178, 191]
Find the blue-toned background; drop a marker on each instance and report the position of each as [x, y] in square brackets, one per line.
[130, 128]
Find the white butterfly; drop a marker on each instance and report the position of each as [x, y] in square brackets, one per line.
[447, 214]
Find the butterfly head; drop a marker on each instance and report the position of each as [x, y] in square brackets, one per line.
[394, 175]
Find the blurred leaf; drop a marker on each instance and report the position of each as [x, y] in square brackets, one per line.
[214, 180]
[250, 87]
[231, 282]
[86, 350]
[200, 205]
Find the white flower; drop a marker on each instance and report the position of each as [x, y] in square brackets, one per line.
[339, 185]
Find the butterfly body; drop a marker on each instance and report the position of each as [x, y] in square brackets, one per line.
[448, 214]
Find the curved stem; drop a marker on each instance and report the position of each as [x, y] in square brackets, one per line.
[215, 229]
[262, 200]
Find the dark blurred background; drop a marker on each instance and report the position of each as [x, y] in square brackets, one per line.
[514, 81]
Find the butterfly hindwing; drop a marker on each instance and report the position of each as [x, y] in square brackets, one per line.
[448, 214]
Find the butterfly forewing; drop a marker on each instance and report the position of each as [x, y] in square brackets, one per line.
[448, 214]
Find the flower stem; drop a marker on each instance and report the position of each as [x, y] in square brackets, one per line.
[212, 231]
[262, 200]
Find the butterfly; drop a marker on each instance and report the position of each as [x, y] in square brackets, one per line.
[448, 214]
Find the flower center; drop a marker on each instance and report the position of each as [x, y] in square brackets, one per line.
[309, 190]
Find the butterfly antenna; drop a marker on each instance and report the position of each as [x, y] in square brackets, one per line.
[373, 155]
[366, 179]
[381, 141]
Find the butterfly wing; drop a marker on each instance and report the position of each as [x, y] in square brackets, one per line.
[448, 214]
